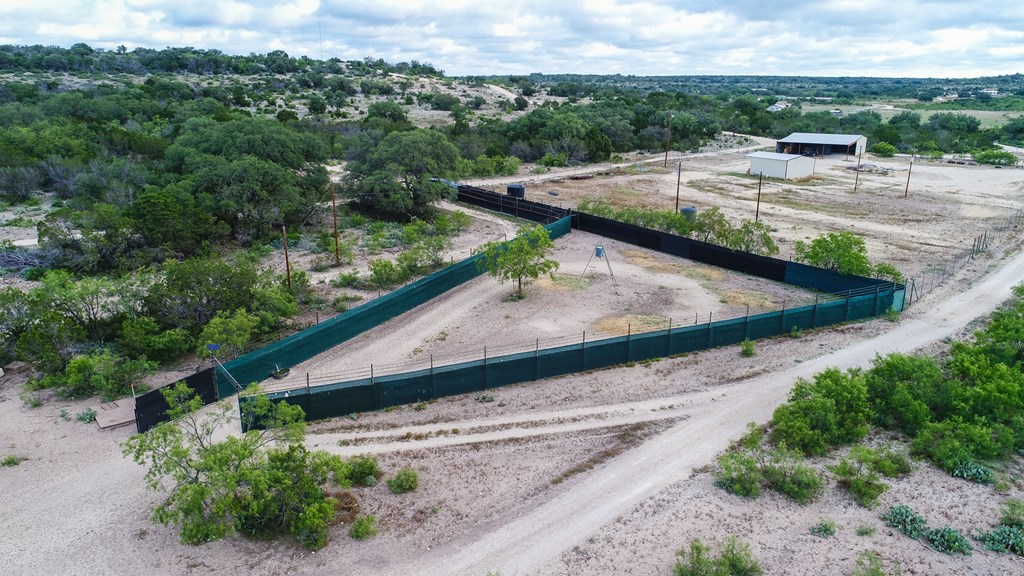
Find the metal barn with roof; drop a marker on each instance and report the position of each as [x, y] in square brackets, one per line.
[785, 166]
[807, 144]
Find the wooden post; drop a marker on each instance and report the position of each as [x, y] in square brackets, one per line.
[679, 175]
[334, 206]
[909, 170]
[668, 138]
[856, 179]
[757, 212]
[287, 264]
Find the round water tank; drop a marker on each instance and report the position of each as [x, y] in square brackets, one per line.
[690, 212]
[517, 190]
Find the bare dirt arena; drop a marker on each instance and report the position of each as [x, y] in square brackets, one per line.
[596, 473]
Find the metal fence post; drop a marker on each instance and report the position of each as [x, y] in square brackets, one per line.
[782, 318]
[485, 367]
[814, 313]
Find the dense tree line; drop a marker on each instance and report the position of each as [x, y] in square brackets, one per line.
[143, 61]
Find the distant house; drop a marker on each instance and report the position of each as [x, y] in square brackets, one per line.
[785, 166]
[807, 144]
[778, 106]
[990, 91]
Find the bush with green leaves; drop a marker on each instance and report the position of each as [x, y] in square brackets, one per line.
[864, 484]
[829, 411]
[906, 392]
[951, 442]
[733, 559]
[739, 472]
[744, 471]
[364, 470]
[825, 528]
[843, 252]
[87, 416]
[143, 337]
[1008, 537]
[261, 482]
[883, 149]
[405, 480]
[974, 472]
[1012, 513]
[1003, 539]
[363, 527]
[784, 471]
[103, 373]
[904, 519]
[748, 349]
[12, 460]
[948, 540]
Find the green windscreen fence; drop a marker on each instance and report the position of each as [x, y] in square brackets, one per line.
[473, 376]
[301, 346]
[854, 298]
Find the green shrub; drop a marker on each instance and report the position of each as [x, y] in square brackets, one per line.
[1003, 539]
[785, 472]
[734, 559]
[103, 373]
[862, 482]
[948, 540]
[12, 460]
[891, 463]
[363, 527]
[824, 528]
[363, 470]
[697, 561]
[1012, 513]
[739, 473]
[973, 472]
[950, 442]
[904, 519]
[405, 480]
[348, 279]
[866, 530]
[830, 411]
[88, 415]
[747, 349]
[384, 274]
[905, 392]
[883, 149]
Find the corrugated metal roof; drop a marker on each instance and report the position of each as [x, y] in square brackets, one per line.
[774, 156]
[834, 139]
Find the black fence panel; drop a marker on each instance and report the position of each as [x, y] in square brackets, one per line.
[151, 407]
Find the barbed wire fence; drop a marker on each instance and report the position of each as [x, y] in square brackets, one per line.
[932, 278]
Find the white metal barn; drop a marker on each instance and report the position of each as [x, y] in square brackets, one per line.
[822, 144]
[785, 166]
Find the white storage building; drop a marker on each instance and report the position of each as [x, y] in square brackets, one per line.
[809, 144]
[785, 166]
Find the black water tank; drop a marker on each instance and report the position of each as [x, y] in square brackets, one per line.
[517, 190]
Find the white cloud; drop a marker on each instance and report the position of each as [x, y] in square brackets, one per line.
[830, 37]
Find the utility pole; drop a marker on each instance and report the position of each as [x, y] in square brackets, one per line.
[679, 175]
[757, 211]
[668, 138]
[287, 264]
[334, 206]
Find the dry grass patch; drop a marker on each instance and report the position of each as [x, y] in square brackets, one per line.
[631, 323]
[560, 282]
[650, 262]
[748, 298]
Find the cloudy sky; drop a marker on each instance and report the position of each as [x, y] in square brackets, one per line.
[653, 37]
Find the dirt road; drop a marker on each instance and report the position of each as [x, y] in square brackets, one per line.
[525, 545]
